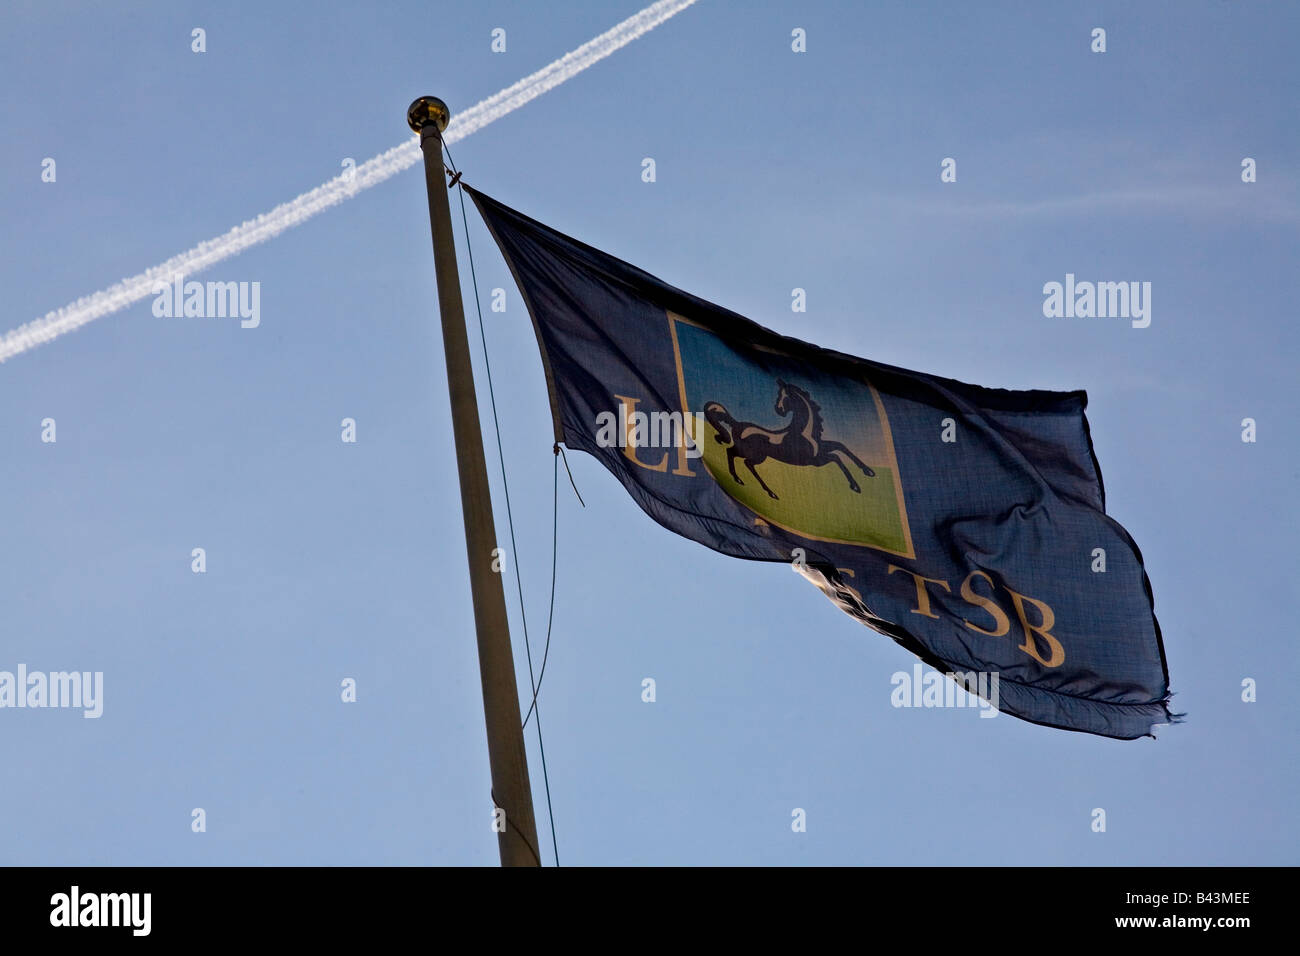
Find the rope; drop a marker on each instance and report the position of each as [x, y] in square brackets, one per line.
[559, 449]
[510, 521]
[511, 823]
[555, 537]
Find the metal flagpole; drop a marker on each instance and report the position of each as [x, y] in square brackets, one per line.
[428, 116]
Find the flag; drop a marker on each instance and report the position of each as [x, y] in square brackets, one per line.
[966, 523]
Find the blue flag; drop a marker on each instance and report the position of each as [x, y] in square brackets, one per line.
[966, 523]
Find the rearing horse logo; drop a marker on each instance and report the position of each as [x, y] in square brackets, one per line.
[799, 443]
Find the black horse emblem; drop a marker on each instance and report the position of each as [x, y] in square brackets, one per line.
[799, 443]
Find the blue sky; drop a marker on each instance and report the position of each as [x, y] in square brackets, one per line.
[775, 170]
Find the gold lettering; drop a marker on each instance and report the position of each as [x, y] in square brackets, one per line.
[626, 411]
[970, 597]
[1030, 646]
[922, 596]
[683, 462]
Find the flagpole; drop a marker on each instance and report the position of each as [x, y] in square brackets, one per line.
[428, 116]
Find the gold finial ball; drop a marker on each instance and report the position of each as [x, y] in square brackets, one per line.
[426, 110]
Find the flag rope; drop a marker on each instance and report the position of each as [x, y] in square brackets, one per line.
[558, 450]
[533, 681]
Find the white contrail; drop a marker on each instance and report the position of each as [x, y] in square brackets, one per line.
[372, 171]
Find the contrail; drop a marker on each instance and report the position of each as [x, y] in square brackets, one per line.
[345, 186]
